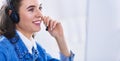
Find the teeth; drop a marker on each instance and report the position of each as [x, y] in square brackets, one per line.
[37, 22]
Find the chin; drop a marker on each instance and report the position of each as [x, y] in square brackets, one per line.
[37, 30]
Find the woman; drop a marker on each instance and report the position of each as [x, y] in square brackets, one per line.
[20, 19]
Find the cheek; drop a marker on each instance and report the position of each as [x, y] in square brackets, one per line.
[25, 19]
[26, 16]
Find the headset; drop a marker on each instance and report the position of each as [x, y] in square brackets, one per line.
[14, 15]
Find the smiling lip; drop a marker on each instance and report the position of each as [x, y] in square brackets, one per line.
[37, 22]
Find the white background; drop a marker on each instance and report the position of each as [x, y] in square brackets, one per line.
[103, 30]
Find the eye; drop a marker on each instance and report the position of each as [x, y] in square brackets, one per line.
[40, 8]
[31, 9]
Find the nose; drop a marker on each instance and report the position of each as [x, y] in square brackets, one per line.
[38, 14]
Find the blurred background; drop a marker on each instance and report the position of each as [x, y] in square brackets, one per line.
[92, 28]
[103, 30]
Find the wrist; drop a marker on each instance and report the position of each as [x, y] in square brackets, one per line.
[63, 46]
[60, 38]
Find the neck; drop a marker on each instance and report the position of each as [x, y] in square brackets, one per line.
[26, 34]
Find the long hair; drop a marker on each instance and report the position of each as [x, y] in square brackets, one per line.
[7, 26]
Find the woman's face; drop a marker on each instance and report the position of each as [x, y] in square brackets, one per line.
[30, 16]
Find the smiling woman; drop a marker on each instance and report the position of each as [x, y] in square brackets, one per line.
[20, 19]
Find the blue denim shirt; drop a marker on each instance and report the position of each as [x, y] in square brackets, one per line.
[15, 50]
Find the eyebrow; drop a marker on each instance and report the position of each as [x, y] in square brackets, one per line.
[40, 5]
[34, 6]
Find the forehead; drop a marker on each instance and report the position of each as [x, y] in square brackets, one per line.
[30, 2]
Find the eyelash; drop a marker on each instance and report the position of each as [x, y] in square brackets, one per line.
[40, 8]
[31, 9]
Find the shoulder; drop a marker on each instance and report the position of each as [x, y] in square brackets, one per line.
[7, 52]
[5, 47]
[4, 42]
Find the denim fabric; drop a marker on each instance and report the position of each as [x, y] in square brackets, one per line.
[15, 50]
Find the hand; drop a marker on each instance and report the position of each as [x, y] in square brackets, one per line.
[54, 27]
[56, 30]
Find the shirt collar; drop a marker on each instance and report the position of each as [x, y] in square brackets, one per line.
[28, 43]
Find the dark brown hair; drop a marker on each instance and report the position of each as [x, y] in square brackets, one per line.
[7, 26]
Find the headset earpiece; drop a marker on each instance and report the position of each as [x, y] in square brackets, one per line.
[14, 15]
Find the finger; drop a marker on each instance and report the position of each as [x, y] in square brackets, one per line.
[46, 20]
[54, 24]
[51, 24]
